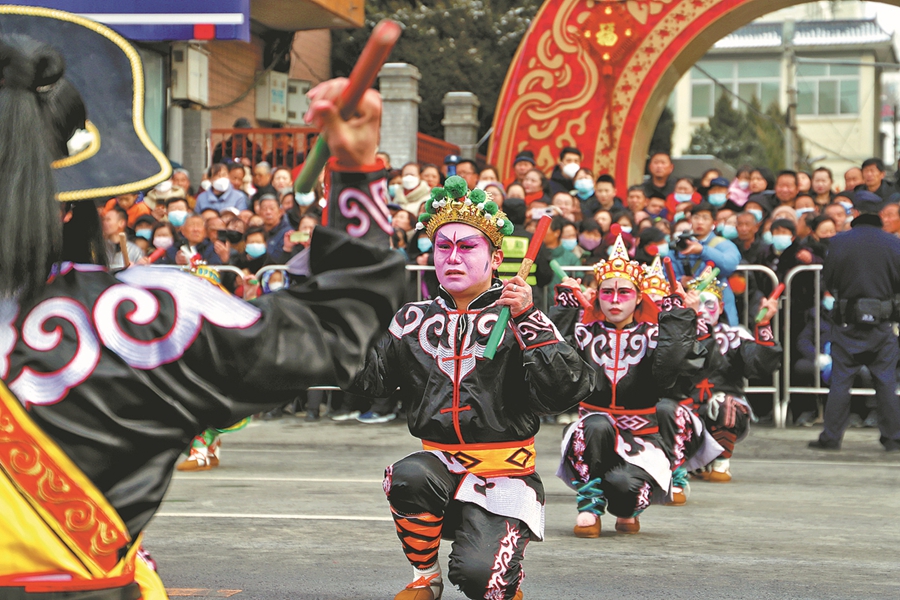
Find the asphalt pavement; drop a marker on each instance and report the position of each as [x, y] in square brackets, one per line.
[296, 511]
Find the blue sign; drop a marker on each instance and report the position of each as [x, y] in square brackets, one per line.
[163, 20]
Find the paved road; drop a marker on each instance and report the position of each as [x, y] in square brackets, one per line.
[296, 511]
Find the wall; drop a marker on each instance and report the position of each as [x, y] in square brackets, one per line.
[232, 69]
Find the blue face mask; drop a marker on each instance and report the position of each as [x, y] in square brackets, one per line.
[802, 211]
[255, 250]
[424, 244]
[568, 244]
[144, 233]
[757, 214]
[679, 216]
[828, 302]
[305, 199]
[781, 242]
[717, 200]
[729, 232]
[683, 197]
[584, 188]
[177, 217]
[394, 188]
[626, 228]
[663, 250]
[767, 237]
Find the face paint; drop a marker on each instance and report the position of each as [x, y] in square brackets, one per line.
[710, 308]
[618, 300]
[462, 257]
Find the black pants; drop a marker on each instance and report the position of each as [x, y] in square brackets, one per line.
[881, 359]
[487, 551]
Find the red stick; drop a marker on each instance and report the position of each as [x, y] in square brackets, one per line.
[538, 238]
[366, 69]
[156, 255]
[670, 275]
[777, 293]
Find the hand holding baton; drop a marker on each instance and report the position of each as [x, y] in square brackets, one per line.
[579, 292]
[156, 255]
[366, 69]
[670, 275]
[490, 349]
[775, 295]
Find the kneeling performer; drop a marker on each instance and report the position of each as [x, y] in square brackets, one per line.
[475, 481]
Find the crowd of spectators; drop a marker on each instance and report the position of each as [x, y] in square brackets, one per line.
[246, 215]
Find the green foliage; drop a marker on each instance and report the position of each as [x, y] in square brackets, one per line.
[742, 137]
[662, 135]
[457, 45]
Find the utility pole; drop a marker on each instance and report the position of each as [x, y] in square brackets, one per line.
[790, 135]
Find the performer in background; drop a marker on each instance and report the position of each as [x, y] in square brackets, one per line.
[632, 433]
[474, 482]
[106, 379]
[732, 355]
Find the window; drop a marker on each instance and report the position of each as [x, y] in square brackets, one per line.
[747, 79]
[827, 89]
[154, 96]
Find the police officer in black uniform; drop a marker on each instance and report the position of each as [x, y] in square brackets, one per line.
[862, 272]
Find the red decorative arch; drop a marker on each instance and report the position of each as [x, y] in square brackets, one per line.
[596, 75]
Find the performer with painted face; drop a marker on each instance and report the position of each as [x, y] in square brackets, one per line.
[733, 355]
[474, 482]
[632, 433]
[105, 379]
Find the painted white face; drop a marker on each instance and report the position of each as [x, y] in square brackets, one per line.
[618, 300]
[710, 308]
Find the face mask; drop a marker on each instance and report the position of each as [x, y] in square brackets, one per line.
[177, 217]
[729, 232]
[570, 170]
[305, 199]
[663, 250]
[744, 185]
[144, 233]
[221, 184]
[626, 228]
[205, 184]
[828, 302]
[276, 285]
[683, 198]
[568, 244]
[394, 189]
[679, 216]
[410, 182]
[781, 242]
[162, 243]
[757, 214]
[587, 243]
[424, 244]
[767, 237]
[584, 188]
[255, 250]
[847, 206]
[802, 211]
[164, 187]
[717, 200]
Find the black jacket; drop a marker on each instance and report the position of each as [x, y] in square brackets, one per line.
[150, 358]
[468, 399]
[732, 355]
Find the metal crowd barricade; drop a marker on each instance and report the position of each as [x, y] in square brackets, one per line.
[818, 388]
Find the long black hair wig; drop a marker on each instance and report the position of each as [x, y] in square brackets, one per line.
[39, 113]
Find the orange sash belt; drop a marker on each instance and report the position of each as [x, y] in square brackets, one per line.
[499, 459]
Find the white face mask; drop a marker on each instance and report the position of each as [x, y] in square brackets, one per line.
[221, 184]
[571, 169]
[205, 184]
[163, 243]
[276, 285]
[164, 187]
[410, 182]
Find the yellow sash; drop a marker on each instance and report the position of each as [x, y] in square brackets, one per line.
[58, 532]
[499, 459]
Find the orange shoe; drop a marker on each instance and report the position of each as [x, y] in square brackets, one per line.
[679, 498]
[720, 471]
[588, 531]
[213, 452]
[626, 527]
[423, 588]
[198, 460]
[519, 595]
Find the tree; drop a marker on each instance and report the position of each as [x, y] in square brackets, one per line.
[662, 135]
[743, 137]
[457, 45]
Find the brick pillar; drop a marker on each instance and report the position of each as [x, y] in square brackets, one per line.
[399, 87]
[461, 121]
[188, 128]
